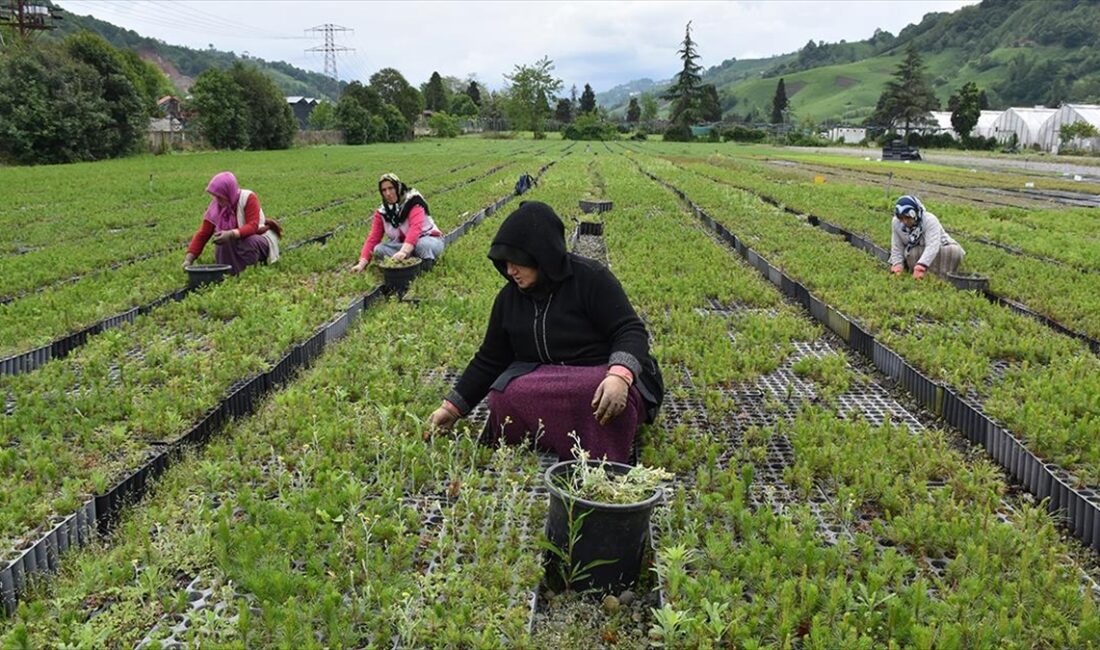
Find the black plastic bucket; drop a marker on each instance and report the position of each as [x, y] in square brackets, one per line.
[200, 274]
[969, 281]
[397, 279]
[619, 533]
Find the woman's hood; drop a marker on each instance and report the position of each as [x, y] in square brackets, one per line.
[535, 230]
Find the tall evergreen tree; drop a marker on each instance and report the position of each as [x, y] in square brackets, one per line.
[649, 107]
[685, 91]
[435, 95]
[633, 111]
[474, 92]
[563, 112]
[710, 108]
[588, 101]
[908, 98]
[780, 103]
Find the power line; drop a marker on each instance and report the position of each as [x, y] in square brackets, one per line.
[200, 17]
[180, 18]
[330, 48]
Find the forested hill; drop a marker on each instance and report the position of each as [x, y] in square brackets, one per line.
[183, 64]
[1021, 52]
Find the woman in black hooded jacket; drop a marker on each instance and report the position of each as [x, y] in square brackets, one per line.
[564, 350]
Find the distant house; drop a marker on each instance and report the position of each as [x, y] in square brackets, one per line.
[1024, 123]
[165, 133]
[847, 134]
[1050, 136]
[169, 106]
[165, 125]
[302, 107]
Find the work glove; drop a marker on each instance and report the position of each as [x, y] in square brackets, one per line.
[444, 417]
[919, 271]
[610, 398]
[897, 269]
[188, 260]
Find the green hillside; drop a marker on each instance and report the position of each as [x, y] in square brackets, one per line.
[1021, 52]
[183, 64]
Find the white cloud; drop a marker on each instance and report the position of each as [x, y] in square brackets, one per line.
[602, 43]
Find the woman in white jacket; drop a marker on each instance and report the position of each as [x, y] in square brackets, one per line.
[920, 243]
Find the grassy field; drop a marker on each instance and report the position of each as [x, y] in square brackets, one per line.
[814, 503]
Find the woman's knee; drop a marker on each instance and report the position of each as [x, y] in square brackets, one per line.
[429, 248]
[386, 249]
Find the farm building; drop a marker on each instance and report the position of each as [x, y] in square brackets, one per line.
[302, 107]
[847, 134]
[1049, 134]
[1024, 123]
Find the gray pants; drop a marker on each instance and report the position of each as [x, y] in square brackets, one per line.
[427, 248]
[948, 260]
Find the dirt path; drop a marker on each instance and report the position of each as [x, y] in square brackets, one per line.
[1089, 171]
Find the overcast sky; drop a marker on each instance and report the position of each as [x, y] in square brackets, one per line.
[601, 43]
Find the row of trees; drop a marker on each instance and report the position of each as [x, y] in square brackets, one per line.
[74, 100]
[908, 99]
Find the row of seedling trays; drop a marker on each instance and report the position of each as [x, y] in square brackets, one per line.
[1079, 507]
[32, 359]
[963, 282]
[100, 513]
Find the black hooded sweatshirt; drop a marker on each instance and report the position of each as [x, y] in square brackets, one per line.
[576, 315]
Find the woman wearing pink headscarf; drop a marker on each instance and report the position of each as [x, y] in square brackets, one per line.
[242, 235]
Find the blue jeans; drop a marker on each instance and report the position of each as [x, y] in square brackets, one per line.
[427, 248]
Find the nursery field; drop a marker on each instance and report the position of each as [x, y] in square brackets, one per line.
[859, 460]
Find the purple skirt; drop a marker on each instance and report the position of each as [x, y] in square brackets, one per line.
[242, 252]
[552, 401]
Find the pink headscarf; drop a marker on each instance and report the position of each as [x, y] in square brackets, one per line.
[223, 185]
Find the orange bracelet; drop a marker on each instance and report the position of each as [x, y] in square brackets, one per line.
[621, 371]
[612, 374]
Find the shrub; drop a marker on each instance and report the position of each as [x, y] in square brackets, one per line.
[590, 127]
[744, 134]
[679, 132]
[444, 126]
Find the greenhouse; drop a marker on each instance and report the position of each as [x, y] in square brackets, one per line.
[1021, 125]
[1050, 134]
